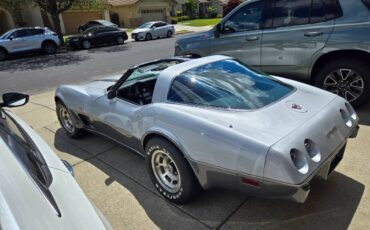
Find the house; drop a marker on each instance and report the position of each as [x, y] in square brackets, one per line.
[202, 6]
[131, 13]
[28, 15]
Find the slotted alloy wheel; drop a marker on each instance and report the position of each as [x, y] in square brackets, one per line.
[346, 83]
[166, 171]
[66, 120]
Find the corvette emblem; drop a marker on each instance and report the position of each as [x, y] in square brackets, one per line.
[297, 107]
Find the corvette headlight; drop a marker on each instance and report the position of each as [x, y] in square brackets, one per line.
[346, 118]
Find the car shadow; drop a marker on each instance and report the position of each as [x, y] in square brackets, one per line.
[36, 62]
[331, 204]
[109, 48]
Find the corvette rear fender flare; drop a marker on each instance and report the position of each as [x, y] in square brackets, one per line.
[172, 139]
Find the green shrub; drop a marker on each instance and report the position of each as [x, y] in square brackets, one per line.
[174, 21]
[183, 18]
[219, 15]
[179, 13]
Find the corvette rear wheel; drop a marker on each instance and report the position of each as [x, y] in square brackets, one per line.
[170, 172]
[67, 123]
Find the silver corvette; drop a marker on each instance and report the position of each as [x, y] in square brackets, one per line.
[213, 122]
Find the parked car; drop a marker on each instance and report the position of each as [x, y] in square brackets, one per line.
[37, 189]
[214, 122]
[96, 36]
[321, 42]
[94, 23]
[23, 40]
[150, 30]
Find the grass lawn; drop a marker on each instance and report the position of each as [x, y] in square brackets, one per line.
[201, 22]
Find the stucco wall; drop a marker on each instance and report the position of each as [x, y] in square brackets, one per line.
[130, 15]
[32, 16]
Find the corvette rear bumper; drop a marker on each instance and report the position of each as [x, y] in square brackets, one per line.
[211, 177]
[297, 193]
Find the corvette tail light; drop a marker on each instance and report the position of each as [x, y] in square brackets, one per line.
[312, 150]
[299, 160]
[250, 181]
[346, 118]
[351, 111]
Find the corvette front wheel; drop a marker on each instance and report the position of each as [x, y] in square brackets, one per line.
[170, 172]
[67, 123]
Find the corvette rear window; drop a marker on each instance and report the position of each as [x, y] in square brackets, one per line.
[227, 84]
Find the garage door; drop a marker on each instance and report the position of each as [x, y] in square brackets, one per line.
[153, 15]
[73, 19]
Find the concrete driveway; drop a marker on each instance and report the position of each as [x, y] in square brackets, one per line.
[115, 179]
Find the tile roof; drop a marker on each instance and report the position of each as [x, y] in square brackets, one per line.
[121, 2]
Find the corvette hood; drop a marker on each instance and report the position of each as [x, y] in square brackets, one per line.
[273, 122]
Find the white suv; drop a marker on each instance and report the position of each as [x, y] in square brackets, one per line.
[23, 40]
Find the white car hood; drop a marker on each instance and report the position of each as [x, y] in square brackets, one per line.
[140, 30]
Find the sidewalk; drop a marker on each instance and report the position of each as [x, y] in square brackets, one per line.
[115, 179]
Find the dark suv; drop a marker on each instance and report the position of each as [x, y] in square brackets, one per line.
[324, 42]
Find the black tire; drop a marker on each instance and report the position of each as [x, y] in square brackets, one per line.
[148, 37]
[120, 40]
[73, 133]
[86, 44]
[169, 34]
[3, 54]
[359, 70]
[188, 187]
[49, 47]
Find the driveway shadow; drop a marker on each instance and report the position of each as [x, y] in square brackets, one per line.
[331, 204]
[109, 49]
[33, 62]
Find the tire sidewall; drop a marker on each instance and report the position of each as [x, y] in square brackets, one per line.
[120, 40]
[185, 192]
[46, 44]
[87, 41]
[352, 64]
[70, 134]
[169, 34]
[4, 54]
[148, 37]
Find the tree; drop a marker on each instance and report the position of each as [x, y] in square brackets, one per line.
[55, 7]
[191, 8]
[231, 4]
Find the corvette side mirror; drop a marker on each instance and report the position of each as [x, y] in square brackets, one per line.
[14, 100]
[111, 94]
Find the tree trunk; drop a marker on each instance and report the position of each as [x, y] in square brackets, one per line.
[57, 28]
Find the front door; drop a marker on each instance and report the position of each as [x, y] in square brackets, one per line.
[241, 35]
[299, 29]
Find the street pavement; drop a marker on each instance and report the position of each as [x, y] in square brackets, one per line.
[115, 179]
[36, 73]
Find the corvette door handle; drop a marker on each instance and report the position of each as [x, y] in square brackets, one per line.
[313, 34]
[251, 39]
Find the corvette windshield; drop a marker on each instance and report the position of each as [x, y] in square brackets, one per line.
[227, 84]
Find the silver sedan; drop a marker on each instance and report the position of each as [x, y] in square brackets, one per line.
[151, 30]
[214, 122]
